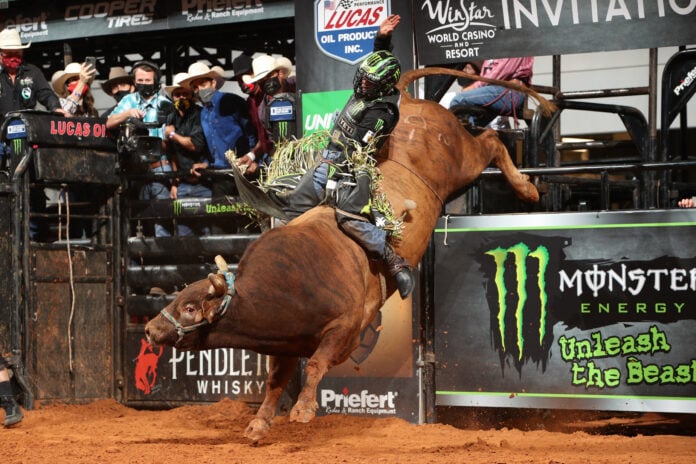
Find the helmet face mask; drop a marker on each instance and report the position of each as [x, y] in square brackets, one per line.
[376, 75]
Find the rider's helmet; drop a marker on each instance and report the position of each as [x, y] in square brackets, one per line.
[376, 75]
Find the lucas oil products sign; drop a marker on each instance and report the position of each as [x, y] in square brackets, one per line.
[345, 29]
[579, 311]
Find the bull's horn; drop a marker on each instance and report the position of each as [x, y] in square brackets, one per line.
[218, 285]
[409, 204]
[221, 264]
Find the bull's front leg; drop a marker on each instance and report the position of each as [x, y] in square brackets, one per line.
[280, 372]
[334, 349]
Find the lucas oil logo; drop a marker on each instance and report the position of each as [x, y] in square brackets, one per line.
[345, 29]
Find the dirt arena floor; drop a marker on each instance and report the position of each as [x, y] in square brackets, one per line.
[108, 432]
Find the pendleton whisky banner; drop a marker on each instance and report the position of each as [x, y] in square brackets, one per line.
[572, 311]
[450, 31]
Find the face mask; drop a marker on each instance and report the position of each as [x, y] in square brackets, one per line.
[120, 94]
[71, 86]
[182, 104]
[11, 62]
[271, 86]
[145, 90]
[248, 89]
[206, 95]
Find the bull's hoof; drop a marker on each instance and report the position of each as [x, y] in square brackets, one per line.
[526, 190]
[257, 429]
[303, 412]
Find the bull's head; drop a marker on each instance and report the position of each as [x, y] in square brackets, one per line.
[199, 304]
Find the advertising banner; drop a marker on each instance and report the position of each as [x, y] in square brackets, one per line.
[320, 109]
[449, 31]
[571, 311]
[48, 21]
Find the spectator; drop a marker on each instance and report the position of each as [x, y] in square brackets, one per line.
[497, 99]
[72, 85]
[147, 105]
[371, 113]
[185, 143]
[22, 85]
[226, 123]
[13, 415]
[242, 65]
[118, 85]
[277, 108]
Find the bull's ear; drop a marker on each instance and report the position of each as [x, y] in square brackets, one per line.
[218, 285]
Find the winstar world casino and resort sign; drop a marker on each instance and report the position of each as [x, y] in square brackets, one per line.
[450, 31]
[345, 29]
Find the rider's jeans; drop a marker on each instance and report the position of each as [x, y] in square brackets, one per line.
[157, 190]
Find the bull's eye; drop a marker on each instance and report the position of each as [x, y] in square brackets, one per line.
[190, 309]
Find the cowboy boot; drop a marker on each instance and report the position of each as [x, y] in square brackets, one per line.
[13, 415]
[401, 270]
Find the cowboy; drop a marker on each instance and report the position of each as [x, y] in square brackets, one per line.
[277, 108]
[118, 85]
[225, 119]
[185, 144]
[22, 85]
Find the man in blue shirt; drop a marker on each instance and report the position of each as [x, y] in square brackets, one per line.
[226, 124]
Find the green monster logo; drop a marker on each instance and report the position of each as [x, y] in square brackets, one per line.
[529, 297]
[177, 207]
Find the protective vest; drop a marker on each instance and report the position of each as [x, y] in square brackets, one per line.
[281, 116]
[362, 120]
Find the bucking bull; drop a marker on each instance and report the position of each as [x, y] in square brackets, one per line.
[308, 290]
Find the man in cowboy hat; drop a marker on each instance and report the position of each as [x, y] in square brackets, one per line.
[185, 144]
[225, 120]
[22, 85]
[118, 85]
[241, 66]
[277, 108]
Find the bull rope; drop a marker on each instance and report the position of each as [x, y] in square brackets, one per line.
[419, 178]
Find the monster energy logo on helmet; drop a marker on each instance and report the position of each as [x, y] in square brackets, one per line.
[522, 299]
[377, 75]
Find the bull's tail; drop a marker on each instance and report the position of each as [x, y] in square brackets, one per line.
[408, 77]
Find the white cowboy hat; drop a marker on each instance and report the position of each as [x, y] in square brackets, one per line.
[9, 40]
[264, 65]
[176, 84]
[58, 81]
[117, 75]
[199, 70]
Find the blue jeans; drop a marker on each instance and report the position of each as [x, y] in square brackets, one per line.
[187, 190]
[321, 173]
[498, 99]
[157, 191]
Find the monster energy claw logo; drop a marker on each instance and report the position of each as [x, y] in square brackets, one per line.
[521, 255]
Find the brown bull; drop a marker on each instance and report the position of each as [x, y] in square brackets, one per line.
[306, 289]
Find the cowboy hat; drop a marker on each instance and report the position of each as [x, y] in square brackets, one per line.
[176, 84]
[117, 75]
[241, 65]
[58, 80]
[264, 65]
[200, 70]
[9, 40]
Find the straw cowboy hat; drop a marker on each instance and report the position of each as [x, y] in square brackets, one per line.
[58, 80]
[176, 84]
[117, 75]
[264, 65]
[200, 70]
[9, 40]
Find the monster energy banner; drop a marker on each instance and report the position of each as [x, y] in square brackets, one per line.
[455, 31]
[578, 311]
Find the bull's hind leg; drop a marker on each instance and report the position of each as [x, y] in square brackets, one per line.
[520, 183]
[281, 370]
